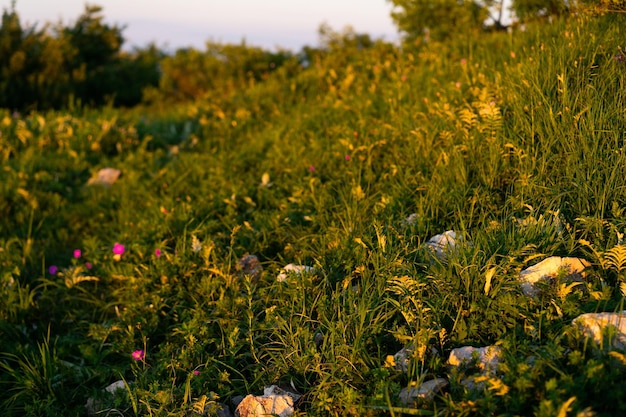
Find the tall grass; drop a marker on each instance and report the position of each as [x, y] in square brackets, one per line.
[512, 140]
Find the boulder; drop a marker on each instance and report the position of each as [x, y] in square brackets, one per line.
[594, 324]
[423, 393]
[274, 401]
[548, 269]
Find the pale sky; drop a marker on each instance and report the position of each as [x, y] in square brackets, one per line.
[172, 24]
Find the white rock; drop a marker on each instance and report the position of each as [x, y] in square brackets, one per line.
[442, 243]
[488, 357]
[115, 386]
[274, 401]
[593, 325]
[294, 269]
[424, 393]
[548, 269]
[410, 220]
[105, 177]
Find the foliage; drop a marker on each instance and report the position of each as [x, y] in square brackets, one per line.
[348, 166]
[56, 66]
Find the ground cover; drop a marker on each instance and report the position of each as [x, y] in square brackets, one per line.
[514, 141]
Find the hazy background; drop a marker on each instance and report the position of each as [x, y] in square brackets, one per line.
[173, 24]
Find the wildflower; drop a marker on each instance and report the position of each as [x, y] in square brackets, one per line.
[464, 61]
[53, 269]
[118, 249]
[196, 372]
[347, 157]
[311, 168]
[457, 84]
[77, 253]
[88, 265]
[157, 253]
[139, 355]
[196, 245]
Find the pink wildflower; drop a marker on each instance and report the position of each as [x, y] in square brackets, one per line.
[77, 253]
[139, 355]
[157, 253]
[53, 269]
[88, 265]
[196, 372]
[311, 168]
[118, 249]
[347, 157]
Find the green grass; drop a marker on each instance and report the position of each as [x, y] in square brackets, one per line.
[515, 141]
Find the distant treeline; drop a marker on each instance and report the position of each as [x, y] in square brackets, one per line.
[59, 66]
[83, 63]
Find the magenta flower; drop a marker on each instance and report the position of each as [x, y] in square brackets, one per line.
[77, 253]
[311, 168]
[118, 249]
[139, 355]
[53, 269]
[196, 372]
[347, 157]
[88, 265]
[157, 253]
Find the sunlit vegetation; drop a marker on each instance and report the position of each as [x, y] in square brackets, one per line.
[346, 158]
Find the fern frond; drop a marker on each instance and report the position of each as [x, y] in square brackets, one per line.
[615, 258]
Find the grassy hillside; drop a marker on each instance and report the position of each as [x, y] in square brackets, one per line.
[514, 141]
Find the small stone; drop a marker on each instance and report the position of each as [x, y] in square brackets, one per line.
[117, 385]
[424, 393]
[224, 411]
[274, 401]
[593, 324]
[105, 177]
[410, 220]
[250, 265]
[294, 269]
[548, 269]
[442, 243]
[402, 357]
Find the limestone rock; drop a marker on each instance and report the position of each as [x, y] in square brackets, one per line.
[548, 269]
[274, 401]
[488, 358]
[294, 269]
[443, 243]
[423, 393]
[117, 385]
[593, 325]
[94, 406]
[105, 177]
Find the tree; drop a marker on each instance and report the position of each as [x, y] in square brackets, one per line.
[438, 19]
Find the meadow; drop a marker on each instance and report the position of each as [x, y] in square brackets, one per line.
[513, 140]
